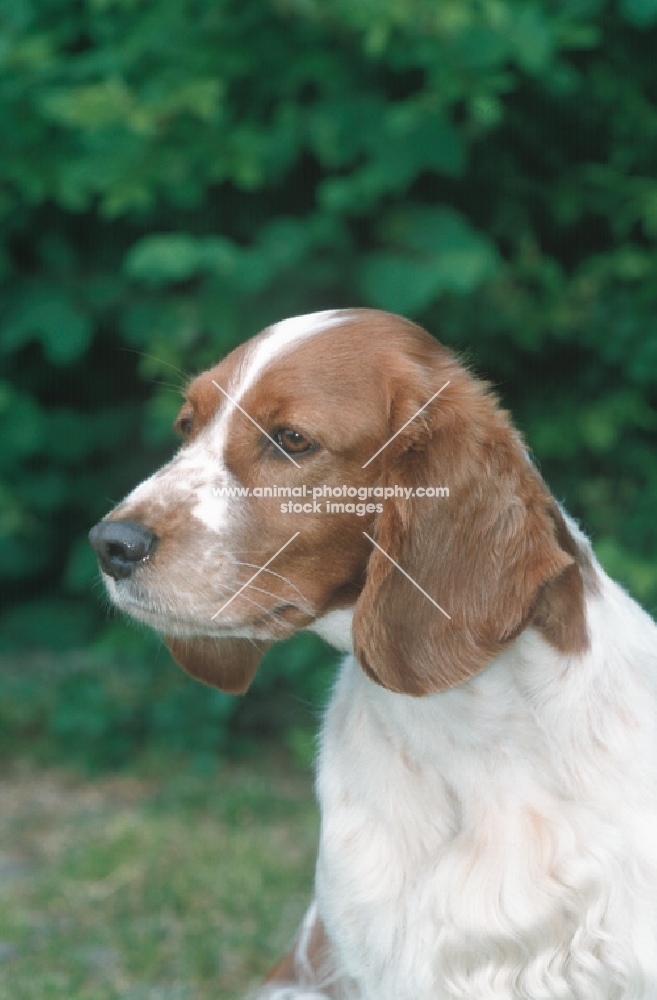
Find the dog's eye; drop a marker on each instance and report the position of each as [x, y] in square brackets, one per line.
[184, 425]
[291, 441]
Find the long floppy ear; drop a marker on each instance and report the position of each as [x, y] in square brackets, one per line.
[228, 664]
[495, 555]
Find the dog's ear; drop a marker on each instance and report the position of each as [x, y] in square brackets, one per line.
[228, 664]
[486, 554]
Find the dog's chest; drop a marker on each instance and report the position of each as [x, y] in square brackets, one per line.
[467, 870]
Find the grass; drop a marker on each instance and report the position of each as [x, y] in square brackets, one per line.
[159, 885]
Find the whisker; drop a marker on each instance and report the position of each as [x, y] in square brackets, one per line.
[153, 357]
[239, 562]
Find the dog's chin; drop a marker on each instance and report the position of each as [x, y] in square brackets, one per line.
[280, 622]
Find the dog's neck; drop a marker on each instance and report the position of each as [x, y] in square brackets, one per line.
[335, 628]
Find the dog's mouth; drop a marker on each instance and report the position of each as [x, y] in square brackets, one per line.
[288, 612]
[277, 622]
[283, 620]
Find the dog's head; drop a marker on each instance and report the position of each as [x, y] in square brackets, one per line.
[342, 471]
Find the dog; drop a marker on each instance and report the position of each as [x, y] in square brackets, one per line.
[487, 771]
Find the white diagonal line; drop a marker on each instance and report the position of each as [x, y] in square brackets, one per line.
[405, 425]
[235, 403]
[406, 574]
[238, 592]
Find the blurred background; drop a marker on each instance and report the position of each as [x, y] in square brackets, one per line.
[175, 175]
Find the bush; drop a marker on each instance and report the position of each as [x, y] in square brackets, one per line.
[123, 699]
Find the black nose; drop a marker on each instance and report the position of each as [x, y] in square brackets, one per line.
[121, 546]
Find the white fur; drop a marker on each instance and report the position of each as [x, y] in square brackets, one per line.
[283, 337]
[498, 841]
[335, 628]
[289, 993]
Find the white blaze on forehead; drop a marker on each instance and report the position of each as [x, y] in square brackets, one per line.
[198, 471]
[218, 513]
[281, 338]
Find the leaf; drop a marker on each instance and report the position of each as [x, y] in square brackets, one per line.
[162, 258]
[47, 314]
[640, 13]
[532, 37]
[23, 425]
[399, 284]
[94, 105]
[419, 138]
[603, 423]
[436, 251]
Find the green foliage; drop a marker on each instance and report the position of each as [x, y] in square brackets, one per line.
[435, 251]
[123, 698]
[173, 176]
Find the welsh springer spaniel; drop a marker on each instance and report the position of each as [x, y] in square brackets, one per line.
[488, 765]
